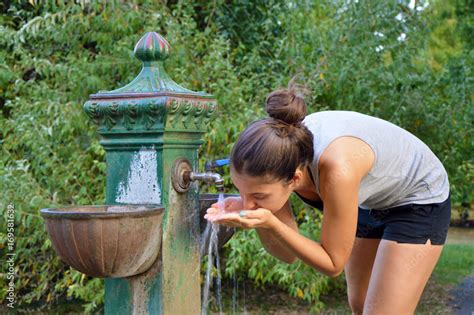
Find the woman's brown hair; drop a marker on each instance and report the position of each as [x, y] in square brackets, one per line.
[276, 146]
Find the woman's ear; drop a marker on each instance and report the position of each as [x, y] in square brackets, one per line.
[297, 178]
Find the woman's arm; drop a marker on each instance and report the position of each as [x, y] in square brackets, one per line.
[337, 234]
[338, 228]
[271, 243]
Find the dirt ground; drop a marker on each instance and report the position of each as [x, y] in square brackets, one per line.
[436, 299]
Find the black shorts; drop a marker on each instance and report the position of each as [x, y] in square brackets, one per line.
[412, 223]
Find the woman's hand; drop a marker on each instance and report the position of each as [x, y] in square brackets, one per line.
[231, 204]
[234, 215]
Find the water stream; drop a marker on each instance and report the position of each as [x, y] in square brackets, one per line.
[212, 256]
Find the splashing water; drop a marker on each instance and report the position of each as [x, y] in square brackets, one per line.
[212, 248]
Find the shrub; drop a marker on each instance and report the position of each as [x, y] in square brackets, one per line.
[55, 54]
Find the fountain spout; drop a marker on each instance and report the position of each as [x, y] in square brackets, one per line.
[208, 177]
[216, 177]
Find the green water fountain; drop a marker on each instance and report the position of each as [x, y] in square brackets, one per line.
[145, 241]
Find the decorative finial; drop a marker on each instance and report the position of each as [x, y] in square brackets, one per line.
[152, 47]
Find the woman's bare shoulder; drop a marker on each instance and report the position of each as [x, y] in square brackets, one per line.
[347, 154]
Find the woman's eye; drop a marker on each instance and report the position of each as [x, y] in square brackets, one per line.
[260, 197]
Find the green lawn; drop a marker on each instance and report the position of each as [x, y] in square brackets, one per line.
[456, 262]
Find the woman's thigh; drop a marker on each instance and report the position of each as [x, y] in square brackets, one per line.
[399, 275]
[358, 269]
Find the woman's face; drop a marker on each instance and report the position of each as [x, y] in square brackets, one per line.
[258, 193]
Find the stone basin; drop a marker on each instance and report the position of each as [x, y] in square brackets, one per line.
[106, 241]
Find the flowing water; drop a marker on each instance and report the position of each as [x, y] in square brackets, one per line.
[212, 255]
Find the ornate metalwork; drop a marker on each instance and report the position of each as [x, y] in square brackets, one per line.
[152, 101]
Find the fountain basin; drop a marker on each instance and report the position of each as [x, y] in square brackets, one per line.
[224, 234]
[113, 241]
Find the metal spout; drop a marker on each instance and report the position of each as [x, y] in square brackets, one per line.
[210, 178]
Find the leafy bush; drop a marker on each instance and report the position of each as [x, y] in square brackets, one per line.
[54, 55]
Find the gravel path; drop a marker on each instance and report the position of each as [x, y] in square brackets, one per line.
[463, 294]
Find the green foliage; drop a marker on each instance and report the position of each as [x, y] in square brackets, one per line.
[54, 54]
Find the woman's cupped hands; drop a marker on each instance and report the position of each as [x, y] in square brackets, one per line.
[233, 214]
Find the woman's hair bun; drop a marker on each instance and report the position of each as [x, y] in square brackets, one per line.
[288, 104]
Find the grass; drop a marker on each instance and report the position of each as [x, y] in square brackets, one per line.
[456, 262]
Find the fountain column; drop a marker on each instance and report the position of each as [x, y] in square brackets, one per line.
[145, 128]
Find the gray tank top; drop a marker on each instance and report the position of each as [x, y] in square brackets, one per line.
[405, 170]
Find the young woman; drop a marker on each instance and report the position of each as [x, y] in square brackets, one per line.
[384, 195]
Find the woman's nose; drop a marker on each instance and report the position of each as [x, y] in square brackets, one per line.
[250, 204]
